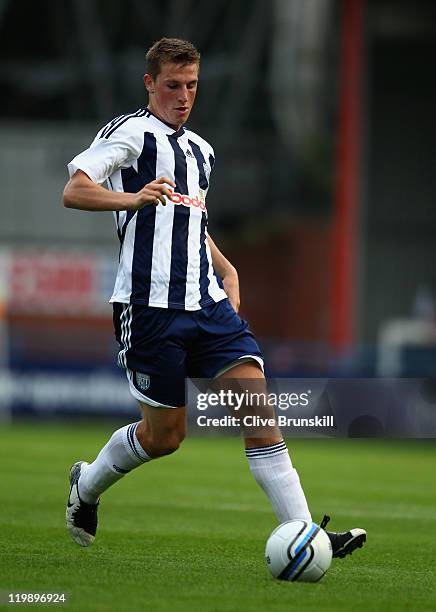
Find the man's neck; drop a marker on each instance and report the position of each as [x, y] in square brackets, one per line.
[151, 110]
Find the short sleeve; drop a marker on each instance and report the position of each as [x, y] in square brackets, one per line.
[106, 155]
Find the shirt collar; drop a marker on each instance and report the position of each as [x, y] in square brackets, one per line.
[176, 133]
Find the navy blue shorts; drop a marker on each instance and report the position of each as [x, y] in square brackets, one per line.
[161, 347]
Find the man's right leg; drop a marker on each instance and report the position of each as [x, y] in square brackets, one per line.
[159, 433]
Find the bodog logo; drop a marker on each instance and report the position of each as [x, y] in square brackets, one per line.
[178, 198]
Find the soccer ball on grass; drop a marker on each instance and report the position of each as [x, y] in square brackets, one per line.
[298, 550]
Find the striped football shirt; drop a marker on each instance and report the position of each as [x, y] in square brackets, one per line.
[165, 259]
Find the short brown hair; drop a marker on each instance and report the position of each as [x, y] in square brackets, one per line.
[175, 50]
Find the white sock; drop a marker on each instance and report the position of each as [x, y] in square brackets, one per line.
[272, 469]
[120, 455]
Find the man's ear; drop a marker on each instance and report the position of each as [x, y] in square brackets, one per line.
[149, 83]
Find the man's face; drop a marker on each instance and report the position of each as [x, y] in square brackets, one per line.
[172, 93]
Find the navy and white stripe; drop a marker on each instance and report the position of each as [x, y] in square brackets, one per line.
[134, 444]
[180, 229]
[165, 258]
[126, 334]
[113, 125]
[260, 452]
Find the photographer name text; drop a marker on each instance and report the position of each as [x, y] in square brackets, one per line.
[256, 421]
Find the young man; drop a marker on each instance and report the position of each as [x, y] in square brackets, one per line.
[176, 296]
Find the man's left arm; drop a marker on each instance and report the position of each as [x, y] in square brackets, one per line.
[227, 272]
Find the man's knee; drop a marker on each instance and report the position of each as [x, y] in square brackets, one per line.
[163, 444]
[161, 432]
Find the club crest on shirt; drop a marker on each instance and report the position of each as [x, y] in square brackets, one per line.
[143, 381]
[206, 169]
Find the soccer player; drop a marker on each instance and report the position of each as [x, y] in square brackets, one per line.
[176, 296]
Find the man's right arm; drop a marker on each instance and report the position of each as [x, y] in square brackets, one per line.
[82, 193]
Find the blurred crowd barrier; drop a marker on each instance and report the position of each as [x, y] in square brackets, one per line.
[58, 351]
[57, 346]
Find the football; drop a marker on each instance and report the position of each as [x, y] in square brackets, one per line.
[298, 550]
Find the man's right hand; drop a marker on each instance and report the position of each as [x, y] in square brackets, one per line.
[82, 193]
[153, 193]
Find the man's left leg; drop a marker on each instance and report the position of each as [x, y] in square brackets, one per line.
[271, 466]
[269, 459]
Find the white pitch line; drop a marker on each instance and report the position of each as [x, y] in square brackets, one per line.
[411, 513]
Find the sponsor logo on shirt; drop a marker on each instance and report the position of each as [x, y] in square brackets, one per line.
[196, 202]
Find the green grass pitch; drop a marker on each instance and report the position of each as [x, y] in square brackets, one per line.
[188, 532]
